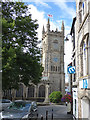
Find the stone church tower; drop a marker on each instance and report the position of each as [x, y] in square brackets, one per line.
[53, 58]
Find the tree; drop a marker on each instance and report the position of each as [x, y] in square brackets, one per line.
[20, 54]
[55, 97]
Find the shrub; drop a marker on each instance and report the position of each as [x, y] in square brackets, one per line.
[55, 97]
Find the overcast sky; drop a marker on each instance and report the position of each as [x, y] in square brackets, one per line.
[60, 10]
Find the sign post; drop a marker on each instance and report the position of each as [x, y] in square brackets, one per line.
[71, 70]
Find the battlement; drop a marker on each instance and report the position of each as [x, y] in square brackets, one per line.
[56, 31]
[52, 32]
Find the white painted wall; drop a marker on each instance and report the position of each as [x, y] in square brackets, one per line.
[85, 107]
[89, 111]
[75, 98]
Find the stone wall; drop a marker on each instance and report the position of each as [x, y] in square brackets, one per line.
[82, 54]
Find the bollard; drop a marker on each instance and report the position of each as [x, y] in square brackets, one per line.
[41, 117]
[52, 114]
[11, 98]
[46, 115]
[37, 115]
[22, 97]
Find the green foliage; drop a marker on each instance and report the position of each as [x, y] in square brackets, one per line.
[55, 96]
[20, 54]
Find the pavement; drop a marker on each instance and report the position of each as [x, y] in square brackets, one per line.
[59, 112]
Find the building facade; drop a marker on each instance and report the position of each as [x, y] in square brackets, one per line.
[82, 45]
[31, 92]
[53, 58]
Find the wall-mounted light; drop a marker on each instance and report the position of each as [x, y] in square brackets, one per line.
[67, 39]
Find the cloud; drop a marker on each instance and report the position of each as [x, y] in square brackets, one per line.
[39, 2]
[39, 15]
[67, 10]
[43, 0]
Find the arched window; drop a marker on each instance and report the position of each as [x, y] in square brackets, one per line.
[42, 91]
[7, 93]
[56, 68]
[31, 91]
[81, 60]
[55, 45]
[51, 68]
[80, 12]
[19, 92]
[84, 8]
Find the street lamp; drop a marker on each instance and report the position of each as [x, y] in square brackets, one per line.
[67, 39]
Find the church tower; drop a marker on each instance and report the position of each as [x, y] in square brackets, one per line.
[53, 57]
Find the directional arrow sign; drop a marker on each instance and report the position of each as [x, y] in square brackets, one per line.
[71, 69]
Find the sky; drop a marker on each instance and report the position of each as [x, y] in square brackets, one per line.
[61, 11]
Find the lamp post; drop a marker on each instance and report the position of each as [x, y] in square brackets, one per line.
[70, 74]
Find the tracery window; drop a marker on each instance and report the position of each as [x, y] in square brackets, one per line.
[31, 91]
[80, 12]
[55, 45]
[56, 68]
[19, 92]
[42, 91]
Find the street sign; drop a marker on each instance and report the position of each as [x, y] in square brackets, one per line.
[85, 83]
[71, 69]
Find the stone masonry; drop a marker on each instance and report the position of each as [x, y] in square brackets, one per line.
[83, 57]
[53, 58]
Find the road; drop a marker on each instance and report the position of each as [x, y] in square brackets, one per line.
[59, 112]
